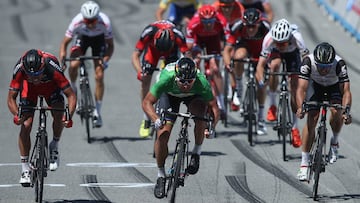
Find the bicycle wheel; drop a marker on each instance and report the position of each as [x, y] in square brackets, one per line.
[283, 125]
[251, 114]
[179, 164]
[226, 92]
[318, 161]
[40, 169]
[86, 107]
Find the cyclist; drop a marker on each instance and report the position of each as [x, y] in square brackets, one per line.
[90, 28]
[263, 5]
[232, 10]
[205, 33]
[39, 73]
[322, 72]
[283, 42]
[158, 40]
[179, 82]
[179, 10]
[246, 38]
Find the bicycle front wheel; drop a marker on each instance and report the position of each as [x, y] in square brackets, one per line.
[40, 169]
[86, 100]
[318, 162]
[283, 125]
[179, 165]
[226, 92]
[251, 113]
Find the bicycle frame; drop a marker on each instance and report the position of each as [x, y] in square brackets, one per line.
[39, 158]
[318, 155]
[250, 100]
[86, 104]
[177, 172]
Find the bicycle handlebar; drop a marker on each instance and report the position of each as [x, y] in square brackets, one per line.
[45, 108]
[210, 56]
[284, 73]
[83, 58]
[246, 60]
[307, 104]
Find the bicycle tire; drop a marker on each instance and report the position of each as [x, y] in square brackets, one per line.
[86, 107]
[318, 162]
[226, 92]
[40, 169]
[251, 114]
[179, 165]
[283, 124]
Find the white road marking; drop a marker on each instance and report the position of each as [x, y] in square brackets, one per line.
[127, 185]
[18, 185]
[111, 164]
[10, 164]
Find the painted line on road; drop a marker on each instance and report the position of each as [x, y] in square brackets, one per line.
[124, 185]
[19, 185]
[111, 164]
[10, 164]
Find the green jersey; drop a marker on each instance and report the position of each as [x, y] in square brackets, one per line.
[167, 84]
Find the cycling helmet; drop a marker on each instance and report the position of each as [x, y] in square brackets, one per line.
[251, 16]
[90, 10]
[164, 39]
[32, 62]
[281, 30]
[226, 2]
[324, 53]
[207, 12]
[185, 69]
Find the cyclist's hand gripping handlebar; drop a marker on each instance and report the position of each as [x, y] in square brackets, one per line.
[160, 122]
[17, 117]
[209, 130]
[347, 115]
[67, 121]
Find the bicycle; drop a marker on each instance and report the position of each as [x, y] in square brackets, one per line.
[205, 58]
[177, 172]
[86, 105]
[39, 158]
[318, 153]
[250, 100]
[284, 122]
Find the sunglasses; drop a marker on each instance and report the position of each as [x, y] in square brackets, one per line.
[208, 21]
[323, 66]
[90, 21]
[281, 44]
[251, 26]
[185, 81]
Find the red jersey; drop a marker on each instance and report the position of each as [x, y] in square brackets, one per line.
[238, 34]
[211, 39]
[52, 80]
[236, 14]
[146, 42]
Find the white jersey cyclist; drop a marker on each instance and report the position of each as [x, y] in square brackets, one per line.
[337, 74]
[295, 41]
[78, 27]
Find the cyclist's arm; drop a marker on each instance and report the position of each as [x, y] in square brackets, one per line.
[135, 59]
[227, 54]
[300, 95]
[260, 69]
[215, 109]
[11, 101]
[269, 11]
[63, 47]
[148, 106]
[109, 49]
[347, 97]
[71, 97]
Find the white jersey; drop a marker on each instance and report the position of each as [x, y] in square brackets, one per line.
[78, 27]
[296, 42]
[338, 72]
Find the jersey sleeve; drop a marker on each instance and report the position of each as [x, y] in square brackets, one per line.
[305, 69]
[17, 78]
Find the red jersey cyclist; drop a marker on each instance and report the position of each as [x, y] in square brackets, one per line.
[245, 41]
[263, 5]
[323, 72]
[232, 10]
[206, 32]
[283, 42]
[179, 82]
[38, 73]
[158, 40]
[90, 28]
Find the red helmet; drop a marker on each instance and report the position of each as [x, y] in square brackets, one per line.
[164, 39]
[32, 62]
[207, 11]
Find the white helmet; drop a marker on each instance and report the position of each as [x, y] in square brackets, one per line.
[281, 30]
[90, 10]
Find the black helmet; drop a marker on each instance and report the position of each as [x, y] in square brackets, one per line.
[32, 62]
[185, 69]
[251, 16]
[324, 53]
[164, 39]
[227, 1]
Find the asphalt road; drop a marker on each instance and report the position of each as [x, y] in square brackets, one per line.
[118, 166]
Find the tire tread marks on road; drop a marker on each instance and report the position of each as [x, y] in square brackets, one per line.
[94, 192]
[246, 150]
[240, 186]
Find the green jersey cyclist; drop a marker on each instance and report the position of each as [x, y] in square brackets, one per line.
[179, 82]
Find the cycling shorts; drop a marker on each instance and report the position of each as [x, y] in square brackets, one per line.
[83, 42]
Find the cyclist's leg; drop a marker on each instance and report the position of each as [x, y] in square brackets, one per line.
[240, 53]
[78, 48]
[274, 66]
